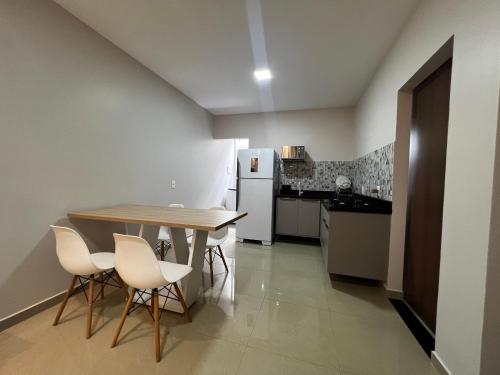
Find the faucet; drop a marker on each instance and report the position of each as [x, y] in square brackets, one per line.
[300, 189]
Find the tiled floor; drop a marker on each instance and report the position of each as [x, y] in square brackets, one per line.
[276, 312]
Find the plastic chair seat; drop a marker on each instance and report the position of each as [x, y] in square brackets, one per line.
[103, 261]
[137, 265]
[164, 234]
[211, 242]
[173, 272]
[75, 258]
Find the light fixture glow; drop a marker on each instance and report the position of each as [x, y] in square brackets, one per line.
[263, 75]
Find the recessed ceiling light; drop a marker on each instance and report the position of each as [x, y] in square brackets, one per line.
[263, 75]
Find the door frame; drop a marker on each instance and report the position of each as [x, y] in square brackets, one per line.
[394, 282]
[442, 68]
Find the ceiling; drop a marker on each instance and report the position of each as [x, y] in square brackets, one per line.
[322, 53]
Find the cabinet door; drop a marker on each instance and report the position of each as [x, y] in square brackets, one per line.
[286, 216]
[308, 220]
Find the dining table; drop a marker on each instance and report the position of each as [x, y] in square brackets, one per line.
[177, 219]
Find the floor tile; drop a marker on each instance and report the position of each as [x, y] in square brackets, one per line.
[232, 319]
[359, 300]
[301, 332]
[275, 312]
[377, 345]
[256, 361]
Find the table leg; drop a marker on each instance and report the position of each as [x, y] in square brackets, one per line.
[181, 250]
[192, 285]
[141, 229]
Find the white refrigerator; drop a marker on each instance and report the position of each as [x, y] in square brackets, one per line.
[257, 186]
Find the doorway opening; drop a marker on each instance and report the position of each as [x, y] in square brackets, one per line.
[231, 193]
[427, 166]
[419, 172]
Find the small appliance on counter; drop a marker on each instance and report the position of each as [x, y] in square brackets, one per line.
[344, 187]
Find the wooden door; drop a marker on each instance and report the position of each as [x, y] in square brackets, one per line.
[428, 141]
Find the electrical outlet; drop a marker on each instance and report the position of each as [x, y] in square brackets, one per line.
[172, 184]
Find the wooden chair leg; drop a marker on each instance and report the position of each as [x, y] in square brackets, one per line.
[153, 307]
[222, 257]
[211, 263]
[123, 317]
[182, 301]
[90, 303]
[68, 294]
[157, 324]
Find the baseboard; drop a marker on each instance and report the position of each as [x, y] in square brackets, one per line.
[34, 309]
[393, 293]
[439, 365]
[424, 337]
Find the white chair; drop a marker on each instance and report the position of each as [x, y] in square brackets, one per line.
[214, 240]
[164, 239]
[75, 258]
[138, 267]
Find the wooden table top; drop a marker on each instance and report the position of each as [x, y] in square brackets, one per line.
[201, 219]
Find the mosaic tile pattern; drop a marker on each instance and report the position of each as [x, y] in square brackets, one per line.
[314, 175]
[373, 169]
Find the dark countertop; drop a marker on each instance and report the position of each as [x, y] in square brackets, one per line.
[352, 203]
[360, 203]
[307, 194]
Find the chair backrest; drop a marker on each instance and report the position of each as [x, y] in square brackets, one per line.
[136, 262]
[72, 252]
[163, 233]
[221, 233]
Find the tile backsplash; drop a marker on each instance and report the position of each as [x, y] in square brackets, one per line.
[373, 169]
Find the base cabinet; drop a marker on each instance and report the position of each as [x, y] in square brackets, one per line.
[297, 217]
[308, 218]
[355, 243]
[287, 216]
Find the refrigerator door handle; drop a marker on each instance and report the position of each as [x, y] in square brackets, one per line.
[237, 193]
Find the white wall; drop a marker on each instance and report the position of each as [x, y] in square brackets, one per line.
[470, 154]
[490, 361]
[328, 134]
[84, 125]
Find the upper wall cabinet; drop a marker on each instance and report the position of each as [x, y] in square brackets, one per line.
[293, 153]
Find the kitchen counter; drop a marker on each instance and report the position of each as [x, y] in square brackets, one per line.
[358, 203]
[307, 194]
[332, 202]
